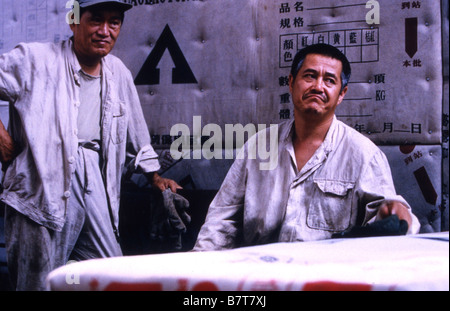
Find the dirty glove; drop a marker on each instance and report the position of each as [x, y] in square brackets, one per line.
[389, 226]
[176, 206]
[169, 220]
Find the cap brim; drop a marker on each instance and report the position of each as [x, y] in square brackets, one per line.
[122, 5]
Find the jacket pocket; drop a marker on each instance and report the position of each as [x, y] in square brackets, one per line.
[119, 124]
[331, 205]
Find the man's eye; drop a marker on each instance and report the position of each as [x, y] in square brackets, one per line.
[115, 24]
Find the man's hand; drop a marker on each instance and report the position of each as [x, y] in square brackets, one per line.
[163, 183]
[389, 208]
[393, 219]
[7, 146]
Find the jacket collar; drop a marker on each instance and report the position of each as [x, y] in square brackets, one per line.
[328, 144]
[75, 64]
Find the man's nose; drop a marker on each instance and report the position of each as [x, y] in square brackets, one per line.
[318, 85]
[103, 30]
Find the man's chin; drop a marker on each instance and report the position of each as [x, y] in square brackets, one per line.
[101, 52]
[314, 108]
[312, 112]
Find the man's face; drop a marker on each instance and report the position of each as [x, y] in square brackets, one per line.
[97, 32]
[316, 90]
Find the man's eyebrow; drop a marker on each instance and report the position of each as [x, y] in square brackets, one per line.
[331, 74]
[327, 74]
[309, 70]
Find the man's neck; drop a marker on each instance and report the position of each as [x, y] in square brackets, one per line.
[309, 129]
[91, 67]
[308, 136]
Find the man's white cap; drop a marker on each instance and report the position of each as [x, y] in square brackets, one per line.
[117, 3]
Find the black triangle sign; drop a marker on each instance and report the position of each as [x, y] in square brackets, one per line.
[150, 74]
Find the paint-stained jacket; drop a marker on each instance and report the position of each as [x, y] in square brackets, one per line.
[41, 83]
[341, 186]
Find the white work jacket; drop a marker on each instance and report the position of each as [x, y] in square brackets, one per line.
[341, 186]
[41, 82]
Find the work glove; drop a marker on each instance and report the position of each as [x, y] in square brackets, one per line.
[389, 226]
[170, 220]
[176, 207]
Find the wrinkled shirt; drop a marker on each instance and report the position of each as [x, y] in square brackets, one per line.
[89, 111]
[341, 186]
[41, 82]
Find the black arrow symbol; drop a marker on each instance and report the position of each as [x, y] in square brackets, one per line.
[411, 36]
[150, 74]
[425, 185]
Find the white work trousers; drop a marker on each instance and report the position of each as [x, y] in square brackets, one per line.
[34, 250]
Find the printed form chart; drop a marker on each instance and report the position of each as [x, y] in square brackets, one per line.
[393, 61]
[359, 45]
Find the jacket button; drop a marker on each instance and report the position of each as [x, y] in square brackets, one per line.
[67, 194]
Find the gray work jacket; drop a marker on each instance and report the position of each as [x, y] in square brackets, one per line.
[341, 186]
[41, 82]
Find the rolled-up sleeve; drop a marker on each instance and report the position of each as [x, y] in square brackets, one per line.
[146, 160]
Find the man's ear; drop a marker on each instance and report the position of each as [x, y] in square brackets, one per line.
[291, 82]
[342, 95]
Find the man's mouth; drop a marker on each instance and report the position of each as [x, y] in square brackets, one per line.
[101, 42]
[318, 96]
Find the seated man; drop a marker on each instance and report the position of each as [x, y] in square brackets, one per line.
[328, 178]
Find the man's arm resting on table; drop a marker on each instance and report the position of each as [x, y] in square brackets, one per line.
[389, 208]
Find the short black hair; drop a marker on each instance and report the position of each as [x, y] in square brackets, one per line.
[325, 50]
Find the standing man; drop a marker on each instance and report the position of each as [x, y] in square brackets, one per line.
[75, 116]
[329, 178]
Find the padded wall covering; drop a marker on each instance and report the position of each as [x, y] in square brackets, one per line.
[231, 60]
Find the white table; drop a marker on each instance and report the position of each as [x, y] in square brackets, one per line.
[417, 262]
